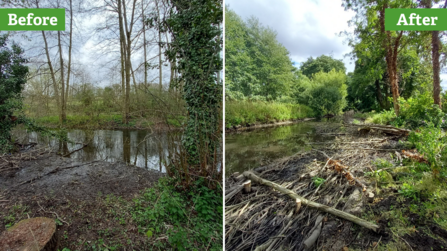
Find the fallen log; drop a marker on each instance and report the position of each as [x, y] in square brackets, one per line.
[250, 175]
[70, 153]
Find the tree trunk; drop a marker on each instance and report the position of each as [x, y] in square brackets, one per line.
[128, 55]
[159, 50]
[391, 48]
[144, 45]
[69, 55]
[436, 68]
[50, 65]
[63, 116]
[379, 94]
[123, 58]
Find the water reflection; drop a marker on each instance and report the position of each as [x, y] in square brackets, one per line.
[137, 147]
[247, 150]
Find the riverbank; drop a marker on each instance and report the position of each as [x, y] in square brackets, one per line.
[112, 122]
[272, 124]
[398, 197]
[248, 113]
[107, 206]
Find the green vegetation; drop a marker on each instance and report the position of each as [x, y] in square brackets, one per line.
[318, 181]
[94, 107]
[12, 79]
[196, 47]
[190, 220]
[158, 218]
[258, 112]
[258, 70]
[325, 92]
[257, 66]
[322, 63]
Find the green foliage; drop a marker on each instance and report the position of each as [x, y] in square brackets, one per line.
[408, 191]
[382, 163]
[189, 219]
[196, 46]
[369, 86]
[12, 79]
[257, 66]
[385, 117]
[318, 181]
[322, 63]
[431, 142]
[324, 93]
[419, 111]
[251, 112]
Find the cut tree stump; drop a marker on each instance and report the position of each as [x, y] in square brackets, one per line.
[35, 234]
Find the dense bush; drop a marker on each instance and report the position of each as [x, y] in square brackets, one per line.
[324, 93]
[419, 111]
[13, 74]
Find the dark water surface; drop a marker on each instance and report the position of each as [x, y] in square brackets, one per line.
[137, 147]
[251, 149]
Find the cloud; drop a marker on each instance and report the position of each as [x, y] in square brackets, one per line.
[305, 28]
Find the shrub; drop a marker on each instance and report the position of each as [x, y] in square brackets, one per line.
[384, 117]
[325, 93]
[251, 112]
[419, 111]
[431, 142]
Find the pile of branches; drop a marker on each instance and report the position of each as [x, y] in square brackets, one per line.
[268, 219]
[11, 161]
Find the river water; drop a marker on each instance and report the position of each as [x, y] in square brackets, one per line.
[137, 147]
[250, 149]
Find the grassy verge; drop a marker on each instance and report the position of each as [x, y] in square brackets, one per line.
[158, 218]
[107, 121]
[251, 112]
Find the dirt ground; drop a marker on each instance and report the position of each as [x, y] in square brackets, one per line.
[84, 198]
[266, 219]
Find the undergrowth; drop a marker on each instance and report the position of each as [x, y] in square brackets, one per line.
[190, 220]
[251, 112]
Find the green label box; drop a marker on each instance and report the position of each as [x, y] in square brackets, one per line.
[32, 19]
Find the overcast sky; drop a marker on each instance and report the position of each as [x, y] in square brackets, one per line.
[307, 28]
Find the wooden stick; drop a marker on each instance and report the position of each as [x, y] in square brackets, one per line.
[247, 186]
[68, 154]
[315, 233]
[250, 175]
[298, 205]
[234, 191]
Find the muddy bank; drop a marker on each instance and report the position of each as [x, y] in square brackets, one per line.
[266, 219]
[256, 126]
[88, 199]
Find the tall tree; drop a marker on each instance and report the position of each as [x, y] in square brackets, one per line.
[322, 63]
[196, 45]
[371, 14]
[435, 48]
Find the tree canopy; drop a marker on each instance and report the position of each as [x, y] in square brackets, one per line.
[322, 63]
[257, 65]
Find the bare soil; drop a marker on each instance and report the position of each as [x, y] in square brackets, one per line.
[88, 200]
